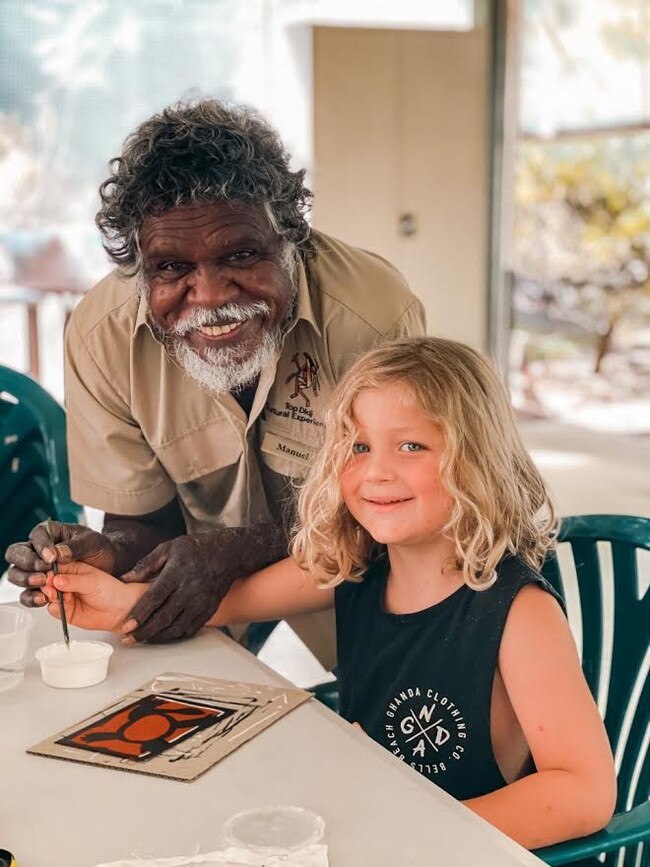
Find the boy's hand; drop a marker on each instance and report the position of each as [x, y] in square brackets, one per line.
[93, 599]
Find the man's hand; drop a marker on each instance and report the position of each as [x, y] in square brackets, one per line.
[30, 561]
[190, 576]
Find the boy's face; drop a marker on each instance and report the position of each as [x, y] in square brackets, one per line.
[392, 485]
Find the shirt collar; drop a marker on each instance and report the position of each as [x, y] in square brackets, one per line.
[141, 317]
[304, 303]
[304, 306]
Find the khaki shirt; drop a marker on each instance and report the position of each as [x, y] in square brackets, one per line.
[141, 432]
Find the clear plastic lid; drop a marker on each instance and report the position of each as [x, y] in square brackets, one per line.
[274, 830]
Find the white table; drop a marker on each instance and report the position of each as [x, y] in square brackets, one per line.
[378, 812]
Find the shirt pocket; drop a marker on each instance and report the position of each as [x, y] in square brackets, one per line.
[200, 452]
[287, 456]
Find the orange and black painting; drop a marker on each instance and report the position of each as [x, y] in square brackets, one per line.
[145, 728]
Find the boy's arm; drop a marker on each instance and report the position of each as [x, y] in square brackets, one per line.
[573, 791]
[96, 600]
[279, 591]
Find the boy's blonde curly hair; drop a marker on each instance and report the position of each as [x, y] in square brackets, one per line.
[500, 503]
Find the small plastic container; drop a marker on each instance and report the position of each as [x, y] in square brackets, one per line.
[15, 626]
[274, 830]
[84, 663]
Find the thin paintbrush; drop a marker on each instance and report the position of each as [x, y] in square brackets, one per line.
[55, 569]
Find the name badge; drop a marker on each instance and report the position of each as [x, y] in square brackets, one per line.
[289, 449]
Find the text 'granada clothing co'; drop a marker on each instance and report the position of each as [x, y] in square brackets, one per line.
[141, 432]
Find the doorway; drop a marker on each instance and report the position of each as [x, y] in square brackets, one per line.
[401, 160]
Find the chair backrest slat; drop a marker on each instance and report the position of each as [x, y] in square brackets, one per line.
[590, 586]
[627, 704]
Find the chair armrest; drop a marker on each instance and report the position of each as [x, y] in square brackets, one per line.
[327, 693]
[625, 829]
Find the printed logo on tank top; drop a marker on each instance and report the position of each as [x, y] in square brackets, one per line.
[425, 729]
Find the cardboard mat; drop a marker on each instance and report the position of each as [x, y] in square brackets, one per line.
[176, 726]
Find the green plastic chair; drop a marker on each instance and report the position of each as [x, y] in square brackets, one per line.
[34, 479]
[327, 693]
[623, 693]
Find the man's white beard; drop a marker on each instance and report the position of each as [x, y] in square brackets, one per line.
[223, 370]
[227, 368]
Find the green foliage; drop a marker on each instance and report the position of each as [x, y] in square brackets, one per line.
[598, 192]
[583, 234]
[629, 36]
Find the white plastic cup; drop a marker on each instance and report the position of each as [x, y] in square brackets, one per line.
[274, 830]
[83, 663]
[15, 626]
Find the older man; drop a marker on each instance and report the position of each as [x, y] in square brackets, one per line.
[197, 373]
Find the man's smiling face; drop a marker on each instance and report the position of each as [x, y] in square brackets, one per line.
[219, 290]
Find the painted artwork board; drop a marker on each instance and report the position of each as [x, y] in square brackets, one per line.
[176, 726]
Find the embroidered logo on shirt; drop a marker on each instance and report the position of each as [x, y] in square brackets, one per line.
[304, 378]
[425, 729]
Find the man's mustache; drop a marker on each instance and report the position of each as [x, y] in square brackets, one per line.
[227, 314]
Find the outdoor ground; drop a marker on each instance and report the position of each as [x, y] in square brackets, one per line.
[563, 386]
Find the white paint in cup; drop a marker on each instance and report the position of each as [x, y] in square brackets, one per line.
[83, 663]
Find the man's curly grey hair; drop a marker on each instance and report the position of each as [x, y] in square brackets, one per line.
[203, 151]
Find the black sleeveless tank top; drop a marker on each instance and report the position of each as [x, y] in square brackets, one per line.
[421, 684]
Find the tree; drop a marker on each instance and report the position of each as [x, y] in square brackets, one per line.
[629, 38]
[583, 229]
